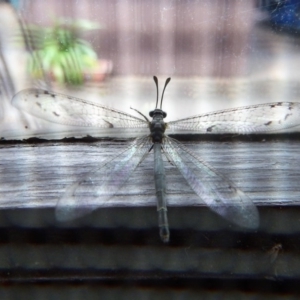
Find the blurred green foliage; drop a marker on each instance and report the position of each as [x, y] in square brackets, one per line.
[60, 52]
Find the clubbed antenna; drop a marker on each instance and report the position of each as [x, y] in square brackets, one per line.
[156, 83]
[162, 96]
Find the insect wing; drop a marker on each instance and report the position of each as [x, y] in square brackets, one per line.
[222, 196]
[67, 110]
[263, 118]
[100, 185]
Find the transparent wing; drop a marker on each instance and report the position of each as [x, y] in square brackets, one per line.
[221, 195]
[62, 109]
[249, 119]
[98, 186]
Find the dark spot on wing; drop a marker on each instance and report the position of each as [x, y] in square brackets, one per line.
[110, 125]
[286, 116]
[276, 104]
[55, 114]
[38, 104]
[210, 129]
[26, 127]
[268, 123]
[47, 93]
[37, 95]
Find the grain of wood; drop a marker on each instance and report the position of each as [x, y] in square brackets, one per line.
[36, 175]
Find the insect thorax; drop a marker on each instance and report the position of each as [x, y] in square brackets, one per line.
[157, 125]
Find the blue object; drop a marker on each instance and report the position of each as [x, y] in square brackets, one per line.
[283, 13]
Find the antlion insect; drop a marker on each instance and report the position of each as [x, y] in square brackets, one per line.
[221, 195]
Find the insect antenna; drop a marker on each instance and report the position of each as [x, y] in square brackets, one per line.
[162, 96]
[156, 83]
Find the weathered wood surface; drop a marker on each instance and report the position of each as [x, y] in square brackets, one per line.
[36, 175]
[101, 246]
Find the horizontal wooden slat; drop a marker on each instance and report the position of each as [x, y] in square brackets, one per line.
[36, 175]
[123, 236]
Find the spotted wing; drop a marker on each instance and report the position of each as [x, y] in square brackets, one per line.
[221, 195]
[62, 109]
[100, 185]
[263, 118]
